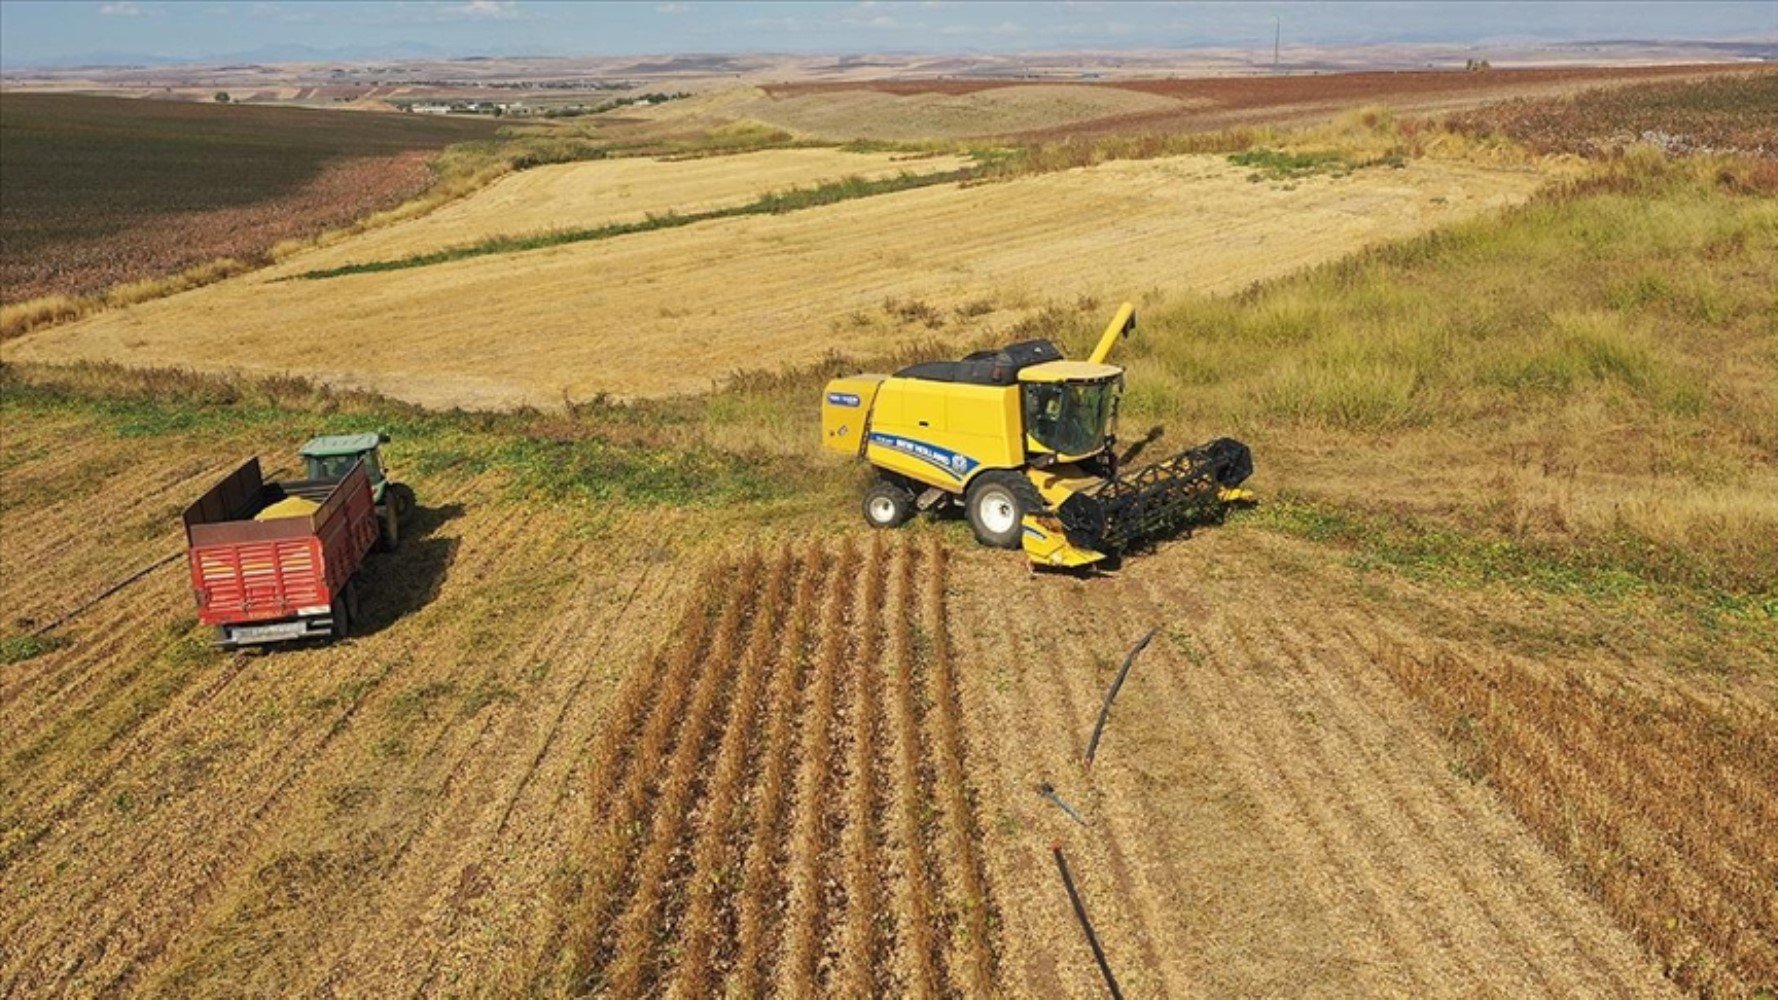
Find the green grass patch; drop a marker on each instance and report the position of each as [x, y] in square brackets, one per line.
[1429, 550]
[644, 454]
[1278, 164]
[19, 648]
[773, 203]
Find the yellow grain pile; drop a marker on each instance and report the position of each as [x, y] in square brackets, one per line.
[288, 507]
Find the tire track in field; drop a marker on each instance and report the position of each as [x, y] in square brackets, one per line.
[814, 824]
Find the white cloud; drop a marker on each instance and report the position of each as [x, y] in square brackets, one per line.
[124, 8]
[672, 8]
[490, 8]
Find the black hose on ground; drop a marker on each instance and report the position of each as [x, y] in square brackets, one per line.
[1105, 712]
[1080, 913]
[108, 591]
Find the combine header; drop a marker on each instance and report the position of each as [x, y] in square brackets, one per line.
[1023, 439]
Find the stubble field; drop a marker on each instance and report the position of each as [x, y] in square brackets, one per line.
[1478, 700]
[678, 310]
[596, 749]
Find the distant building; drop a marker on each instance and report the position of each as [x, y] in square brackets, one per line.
[430, 109]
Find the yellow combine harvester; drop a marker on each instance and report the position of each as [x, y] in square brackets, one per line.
[1023, 438]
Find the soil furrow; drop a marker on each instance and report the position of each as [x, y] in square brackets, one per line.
[712, 858]
[763, 882]
[862, 942]
[809, 866]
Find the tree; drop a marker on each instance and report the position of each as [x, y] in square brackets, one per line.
[222, 97]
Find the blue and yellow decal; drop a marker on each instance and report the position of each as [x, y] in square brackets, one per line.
[953, 463]
[843, 399]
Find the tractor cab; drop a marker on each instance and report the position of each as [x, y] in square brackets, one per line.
[332, 456]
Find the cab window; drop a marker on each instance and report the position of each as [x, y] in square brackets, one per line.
[1069, 418]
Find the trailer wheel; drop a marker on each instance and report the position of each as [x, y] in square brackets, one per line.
[887, 505]
[996, 505]
[343, 604]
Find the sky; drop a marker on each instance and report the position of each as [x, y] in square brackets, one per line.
[74, 31]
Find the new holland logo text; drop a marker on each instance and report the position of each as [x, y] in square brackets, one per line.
[842, 399]
[954, 464]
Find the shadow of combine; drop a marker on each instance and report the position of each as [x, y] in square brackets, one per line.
[402, 582]
[1141, 444]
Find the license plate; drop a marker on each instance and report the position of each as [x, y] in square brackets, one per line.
[268, 633]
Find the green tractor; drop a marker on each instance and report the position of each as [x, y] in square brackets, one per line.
[332, 456]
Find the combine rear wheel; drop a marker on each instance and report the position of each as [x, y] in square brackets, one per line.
[887, 505]
[997, 503]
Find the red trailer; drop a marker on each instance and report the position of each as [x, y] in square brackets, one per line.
[283, 578]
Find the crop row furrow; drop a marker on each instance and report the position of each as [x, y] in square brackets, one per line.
[811, 829]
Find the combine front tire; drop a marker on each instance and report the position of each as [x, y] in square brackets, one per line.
[887, 505]
[997, 503]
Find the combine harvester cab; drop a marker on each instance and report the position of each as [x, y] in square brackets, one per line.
[1023, 439]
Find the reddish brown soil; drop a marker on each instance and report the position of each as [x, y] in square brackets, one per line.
[166, 245]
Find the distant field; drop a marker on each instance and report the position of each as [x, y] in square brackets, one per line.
[867, 112]
[603, 192]
[95, 191]
[913, 107]
[672, 311]
[1733, 114]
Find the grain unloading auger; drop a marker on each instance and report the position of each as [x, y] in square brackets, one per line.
[1023, 439]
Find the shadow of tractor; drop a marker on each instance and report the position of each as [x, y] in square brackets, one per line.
[399, 583]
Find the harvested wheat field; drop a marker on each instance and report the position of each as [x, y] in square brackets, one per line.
[867, 113]
[956, 107]
[605, 192]
[676, 310]
[176, 820]
[622, 748]
[1320, 798]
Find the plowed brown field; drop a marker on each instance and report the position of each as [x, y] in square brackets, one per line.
[676, 310]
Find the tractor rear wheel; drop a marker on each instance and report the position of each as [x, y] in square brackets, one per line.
[389, 536]
[888, 505]
[997, 503]
[402, 498]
